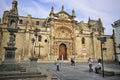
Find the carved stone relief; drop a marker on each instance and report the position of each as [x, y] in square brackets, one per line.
[62, 33]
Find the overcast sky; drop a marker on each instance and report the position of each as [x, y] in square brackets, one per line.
[107, 10]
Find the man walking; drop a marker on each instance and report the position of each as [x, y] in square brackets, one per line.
[57, 63]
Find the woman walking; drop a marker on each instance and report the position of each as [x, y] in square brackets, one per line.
[90, 62]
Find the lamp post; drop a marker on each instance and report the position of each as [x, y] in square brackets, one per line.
[39, 50]
[33, 41]
[36, 32]
[33, 56]
[102, 40]
[36, 35]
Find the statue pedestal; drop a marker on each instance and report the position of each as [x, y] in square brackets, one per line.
[34, 59]
[9, 55]
[9, 63]
[33, 64]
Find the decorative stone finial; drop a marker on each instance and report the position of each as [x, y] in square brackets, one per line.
[0, 20]
[73, 13]
[51, 12]
[14, 9]
[89, 19]
[89, 22]
[62, 7]
[52, 9]
[99, 20]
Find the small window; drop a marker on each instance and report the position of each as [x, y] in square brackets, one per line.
[83, 41]
[20, 21]
[39, 38]
[37, 22]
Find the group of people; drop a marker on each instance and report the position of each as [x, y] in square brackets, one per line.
[98, 67]
[57, 63]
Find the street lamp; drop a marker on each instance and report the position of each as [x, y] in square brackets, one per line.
[39, 50]
[33, 56]
[102, 40]
[33, 41]
[36, 32]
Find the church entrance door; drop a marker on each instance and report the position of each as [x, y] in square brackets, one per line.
[62, 52]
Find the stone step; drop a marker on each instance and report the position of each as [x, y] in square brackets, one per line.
[18, 73]
[12, 67]
[21, 75]
[54, 78]
[109, 73]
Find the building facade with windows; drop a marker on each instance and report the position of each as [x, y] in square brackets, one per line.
[61, 36]
[116, 27]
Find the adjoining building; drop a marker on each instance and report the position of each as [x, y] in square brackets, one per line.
[61, 36]
[116, 27]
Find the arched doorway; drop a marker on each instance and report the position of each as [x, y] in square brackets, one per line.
[62, 52]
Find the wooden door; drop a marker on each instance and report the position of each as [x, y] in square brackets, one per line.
[62, 52]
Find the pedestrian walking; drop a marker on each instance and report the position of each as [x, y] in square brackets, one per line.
[90, 62]
[72, 61]
[57, 63]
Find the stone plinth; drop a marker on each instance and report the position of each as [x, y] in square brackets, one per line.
[9, 55]
[33, 64]
[33, 59]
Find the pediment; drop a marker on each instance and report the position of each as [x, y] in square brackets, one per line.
[62, 15]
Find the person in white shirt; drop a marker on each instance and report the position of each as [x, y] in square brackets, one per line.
[98, 67]
[57, 63]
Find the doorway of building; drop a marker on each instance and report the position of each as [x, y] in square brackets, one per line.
[62, 52]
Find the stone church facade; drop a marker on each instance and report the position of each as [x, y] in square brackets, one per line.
[60, 36]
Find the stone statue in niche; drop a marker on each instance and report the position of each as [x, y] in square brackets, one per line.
[11, 42]
[12, 38]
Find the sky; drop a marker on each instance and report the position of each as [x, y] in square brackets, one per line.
[107, 10]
